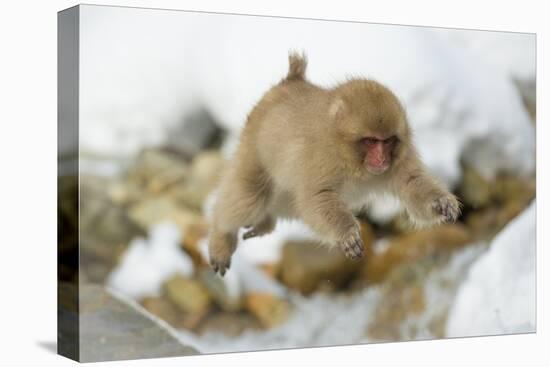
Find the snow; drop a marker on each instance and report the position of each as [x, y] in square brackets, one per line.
[143, 71]
[147, 263]
[499, 294]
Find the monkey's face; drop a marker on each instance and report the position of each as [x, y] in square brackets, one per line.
[377, 152]
[373, 125]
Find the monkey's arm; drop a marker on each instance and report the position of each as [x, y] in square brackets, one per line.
[323, 210]
[424, 197]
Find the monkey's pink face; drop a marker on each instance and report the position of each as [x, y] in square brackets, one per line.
[378, 153]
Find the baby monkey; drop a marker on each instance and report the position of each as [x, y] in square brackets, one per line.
[317, 155]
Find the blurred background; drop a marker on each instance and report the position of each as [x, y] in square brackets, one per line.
[163, 96]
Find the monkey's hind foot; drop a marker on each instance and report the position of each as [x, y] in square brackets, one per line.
[353, 246]
[220, 250]
[220, 266]
[266, 226]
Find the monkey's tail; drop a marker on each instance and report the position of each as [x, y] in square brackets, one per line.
[297, 65]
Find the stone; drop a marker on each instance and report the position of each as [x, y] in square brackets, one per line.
[268, 309]
[161, 209]
[162, 308]
[308, 266]
[105, 228]
[198, 131]
[228, 323]
[205, 172]
[218, 291]
[191, 240]
[156, 169]
[188, 295]
[396, 305]
[414, 246]
[474, 189]
[113, 328]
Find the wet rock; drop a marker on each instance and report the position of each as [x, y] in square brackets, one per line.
[487, 223]
[307, 266]
[206, 170]
[528, 91]
[191, 240]
[188, 295]
[474, 189]
[105, 228]
[229, 323]
[198, 131]
[161, 209]
[414, 246]
[507, 189]
[396, 305]
[218, 291]
[157, 170]
[162, 308]
[112, 328]
[268, 309]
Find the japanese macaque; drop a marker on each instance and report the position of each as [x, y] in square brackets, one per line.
[317, 154]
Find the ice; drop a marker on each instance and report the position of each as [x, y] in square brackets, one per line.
[498, 295]
[147, 263]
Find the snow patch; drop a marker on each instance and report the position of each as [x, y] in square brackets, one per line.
[498, 296]
[147, 263]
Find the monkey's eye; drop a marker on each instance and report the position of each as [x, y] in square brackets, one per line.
[391, 140]
[369, 141]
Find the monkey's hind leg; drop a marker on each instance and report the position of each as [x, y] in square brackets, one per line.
[243, 200]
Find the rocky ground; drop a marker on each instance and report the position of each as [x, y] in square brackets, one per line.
[168, 185]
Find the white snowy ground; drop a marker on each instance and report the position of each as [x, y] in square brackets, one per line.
[499, 294]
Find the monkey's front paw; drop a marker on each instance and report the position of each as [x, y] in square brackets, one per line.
[220, 265]
[448, 207]
[353, 246]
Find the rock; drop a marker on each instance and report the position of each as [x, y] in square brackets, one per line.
[307, 266]
[197, 132]
[474, 189]
[396, 305]
[414, 246]
[508, 188]
[162, 308]
[105, 228]
[112, 328]
[229, 323]
[188, 295]
[486, 223]
[161, 209]
[528, 91]
[191, 240]
[156, 170]
[218, 291]
[206, 170]
[269, 310]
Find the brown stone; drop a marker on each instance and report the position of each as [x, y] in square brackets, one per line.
[413, 246]
[228, 323]
[188, 295]
[307, 266]
[268, 309]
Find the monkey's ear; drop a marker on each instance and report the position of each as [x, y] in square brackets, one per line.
[337, 109]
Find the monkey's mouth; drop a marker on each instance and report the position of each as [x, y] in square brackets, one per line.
[377, 169]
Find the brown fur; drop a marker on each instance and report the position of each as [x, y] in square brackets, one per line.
[299, 157]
